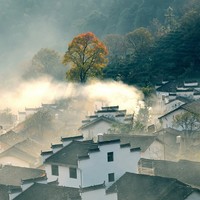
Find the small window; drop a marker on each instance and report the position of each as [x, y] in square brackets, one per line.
[54, 170]
[110, 157]
[111, 177]
[72, 172]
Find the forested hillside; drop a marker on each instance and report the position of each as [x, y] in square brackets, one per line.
[172, 55]
[72, 17]
[30, 25]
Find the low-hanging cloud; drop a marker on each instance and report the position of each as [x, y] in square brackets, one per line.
[90, 96]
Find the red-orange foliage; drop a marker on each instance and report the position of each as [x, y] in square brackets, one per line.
[87, 54]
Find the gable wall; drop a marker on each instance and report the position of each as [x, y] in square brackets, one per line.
[63, 177]
[168, 121]
[155, 151]
[96, 169]
[93, 130]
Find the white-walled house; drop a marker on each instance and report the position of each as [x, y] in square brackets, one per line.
[151, 146]
[38, 189]
[176, 103]
[99, 125]
[103, 120]
[132, 186]
[167, 120]
[173, 94]
[185, 171]
[154, 151]
[179, 88]
[85, 163]
[22, 115]
[162, 145]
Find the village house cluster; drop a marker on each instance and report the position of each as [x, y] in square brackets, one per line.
[99, 164]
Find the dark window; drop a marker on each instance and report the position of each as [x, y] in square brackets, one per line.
[54, 170]
[72, 173]
[110, 157]
[111, 177]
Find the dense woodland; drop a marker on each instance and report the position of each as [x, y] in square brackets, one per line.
[148, 40]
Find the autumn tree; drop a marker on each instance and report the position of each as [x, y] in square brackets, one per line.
[87, 56]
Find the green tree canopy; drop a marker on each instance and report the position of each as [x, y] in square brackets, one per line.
[139, 39]
[189, 122]
[46, 62]
[116, 45]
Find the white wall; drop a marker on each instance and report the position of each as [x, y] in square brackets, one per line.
[193, 196]
[63, 177]
[93, 130]
[96, 169]
[168, 121]
[155, 151]
[98, 195]
[50, 177]
[65, 180]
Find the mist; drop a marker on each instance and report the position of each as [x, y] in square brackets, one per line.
[20, 94]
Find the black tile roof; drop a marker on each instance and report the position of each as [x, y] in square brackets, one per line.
[109, 141]
[168, 131]
[135, 141]
[171, 86]
[56, 146]
[46, 153]
[96, 120]
[137, 186]
[49, 192]
[77, 150]
[12, 175]
[183, 170]
[193, 107]
[182, 99]
[93, 187]
[4, 189]
[20, 154]
[68, 155]
[110, 107]
[11, 138]
[76, 137]
[166, 114]
[30, 146]
[168, 87]
[34, 180]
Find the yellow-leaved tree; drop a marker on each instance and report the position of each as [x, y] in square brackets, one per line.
[87, 56]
